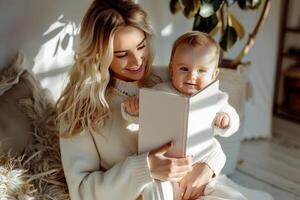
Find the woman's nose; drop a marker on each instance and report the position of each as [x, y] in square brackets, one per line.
[136, 59]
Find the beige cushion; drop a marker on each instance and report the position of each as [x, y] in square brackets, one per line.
[15, 126]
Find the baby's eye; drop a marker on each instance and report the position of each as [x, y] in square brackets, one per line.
[184, 69]
[201, 71]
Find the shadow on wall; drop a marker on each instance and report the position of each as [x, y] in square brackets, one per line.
[44, 32]
[56, 54]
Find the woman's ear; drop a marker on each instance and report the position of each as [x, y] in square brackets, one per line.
[216, 73]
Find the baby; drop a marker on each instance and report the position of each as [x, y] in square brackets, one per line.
[194, 65]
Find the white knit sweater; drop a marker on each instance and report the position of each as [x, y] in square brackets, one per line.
[105, 165]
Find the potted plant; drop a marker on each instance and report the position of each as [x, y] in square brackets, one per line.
[215, 16]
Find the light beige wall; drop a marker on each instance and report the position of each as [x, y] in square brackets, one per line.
[23, 24]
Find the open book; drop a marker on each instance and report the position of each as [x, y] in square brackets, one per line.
[188, 121]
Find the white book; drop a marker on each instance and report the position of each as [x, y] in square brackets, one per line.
[188, 121]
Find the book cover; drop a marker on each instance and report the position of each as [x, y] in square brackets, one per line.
[188, 121]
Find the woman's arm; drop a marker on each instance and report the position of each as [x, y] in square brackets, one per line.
[81, 163]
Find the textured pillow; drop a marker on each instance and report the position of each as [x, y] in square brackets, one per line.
[28, 121]
[15, 127]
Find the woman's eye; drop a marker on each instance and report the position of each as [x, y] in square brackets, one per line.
[184, 69]
[121, 55]
[141, 47]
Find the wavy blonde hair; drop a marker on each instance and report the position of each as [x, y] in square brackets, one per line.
[83, 102]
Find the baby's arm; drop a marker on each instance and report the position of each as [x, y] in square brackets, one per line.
[130, 110]
[227, 120]
[130, 107]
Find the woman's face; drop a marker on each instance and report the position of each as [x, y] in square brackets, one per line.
[130, 54]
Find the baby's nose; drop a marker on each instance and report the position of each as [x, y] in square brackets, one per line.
[192, 75]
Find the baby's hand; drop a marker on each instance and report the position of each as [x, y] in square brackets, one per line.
[132, 105]
[222, 120]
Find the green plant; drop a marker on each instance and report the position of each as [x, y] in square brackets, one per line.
[212, 16]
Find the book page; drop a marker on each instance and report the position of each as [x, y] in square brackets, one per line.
[202, 111]
[188, 121]
[162, 119]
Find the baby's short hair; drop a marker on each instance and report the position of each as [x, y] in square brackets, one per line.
[195, 39]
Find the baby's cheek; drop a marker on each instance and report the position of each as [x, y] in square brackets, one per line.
[203, 81]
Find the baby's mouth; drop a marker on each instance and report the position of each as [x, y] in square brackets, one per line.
[190, 84]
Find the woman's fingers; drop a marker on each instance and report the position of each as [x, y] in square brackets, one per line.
[169, 171]
[175, 179]
[183, 161]
[163, 149]
[167, 168]
[197, 192]
[182, 187]
[187, 193]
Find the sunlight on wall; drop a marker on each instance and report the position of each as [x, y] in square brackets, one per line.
[167, 30]
[56, 55]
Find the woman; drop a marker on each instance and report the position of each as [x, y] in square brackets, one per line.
[98, 148]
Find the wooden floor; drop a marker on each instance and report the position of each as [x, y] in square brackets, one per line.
[250, 182]
[271, 165]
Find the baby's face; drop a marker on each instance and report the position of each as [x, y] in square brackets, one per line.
[193, 68]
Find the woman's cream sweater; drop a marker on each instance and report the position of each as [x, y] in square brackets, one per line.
[105, 165]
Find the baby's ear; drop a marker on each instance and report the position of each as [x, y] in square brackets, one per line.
[216, 73]
[170, 71]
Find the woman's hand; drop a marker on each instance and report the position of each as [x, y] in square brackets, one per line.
[193, 184]
[222, 120]
[165, 168]
[132, 105]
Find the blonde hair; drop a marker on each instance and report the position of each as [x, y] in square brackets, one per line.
[195, 39]
[83, 102]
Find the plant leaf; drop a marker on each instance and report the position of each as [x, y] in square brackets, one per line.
[216, 29]
[254, 4]
[191, 7]
[249, 4]
[209, 7]
[205, 24]
[175, 6]
[228, 39]
[232, 21]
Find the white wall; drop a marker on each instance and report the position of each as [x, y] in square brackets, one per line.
[44, 31]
